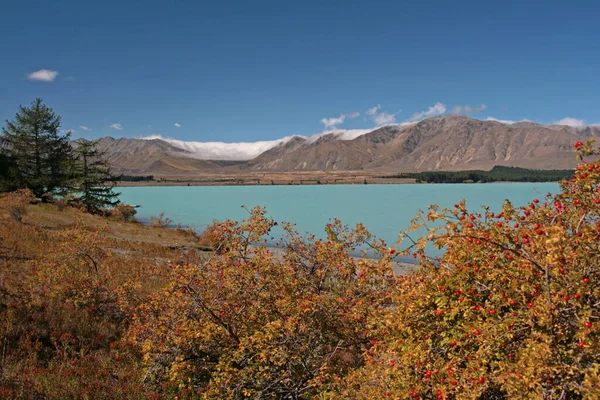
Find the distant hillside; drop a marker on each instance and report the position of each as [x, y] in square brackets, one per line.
[448, 143]
[440, 143]
[154, 157]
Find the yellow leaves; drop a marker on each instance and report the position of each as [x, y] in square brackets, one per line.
[271, 319]
[494, 314]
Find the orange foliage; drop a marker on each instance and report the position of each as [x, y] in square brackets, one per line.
[15, 203]
[251, 323]
[509, 310]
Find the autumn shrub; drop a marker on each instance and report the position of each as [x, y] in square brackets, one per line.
[113, 374]
[60, 309]
[187, 232]
[15, 203]
[64, 202]
[160, 221]
[510, 310]
[124, 212]
[249, 323]
[212, 237]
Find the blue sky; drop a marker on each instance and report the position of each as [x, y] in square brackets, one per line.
[261, 70]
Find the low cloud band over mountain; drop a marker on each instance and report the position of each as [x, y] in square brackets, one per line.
[436, 143]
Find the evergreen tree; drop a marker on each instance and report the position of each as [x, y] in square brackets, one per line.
[40, 155]
[6, 167]
[93, 177]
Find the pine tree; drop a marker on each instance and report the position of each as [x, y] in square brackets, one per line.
[94, 180]
[6, 167]
[39, 153]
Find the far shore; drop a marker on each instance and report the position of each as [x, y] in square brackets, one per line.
[179, 183]
[270, 179]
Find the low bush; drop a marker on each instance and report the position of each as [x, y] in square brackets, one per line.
[160, 221]
[125, 212]
[16, 203]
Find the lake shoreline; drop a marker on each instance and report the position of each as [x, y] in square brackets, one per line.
[399, 267]
[384, 210]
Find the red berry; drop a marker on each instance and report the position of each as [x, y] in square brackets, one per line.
[566, 297]
[529, 305]
[577, 144]
[588, 324]
[453, 343]
[586, 280]
[581, 345]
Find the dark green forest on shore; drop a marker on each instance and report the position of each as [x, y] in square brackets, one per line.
[496, 174]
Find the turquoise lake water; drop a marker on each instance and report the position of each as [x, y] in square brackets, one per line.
[383, 209]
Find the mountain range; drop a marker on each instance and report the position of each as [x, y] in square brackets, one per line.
[438, 143]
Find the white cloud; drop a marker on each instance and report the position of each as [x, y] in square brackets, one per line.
[384, 118]
[177, 125]
[44, 75]
[221, 150]
[461, 110]
[574, 122]
[332, 122]
[85, 128]
[339, 134]
[248, 150]
[373, 110]
[381, 118]
[508, 121]
[118, 127]
[502, 121]
[437, 109]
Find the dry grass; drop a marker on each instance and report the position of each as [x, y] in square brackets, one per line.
[63, 275]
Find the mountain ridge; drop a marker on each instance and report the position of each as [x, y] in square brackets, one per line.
[437, 143]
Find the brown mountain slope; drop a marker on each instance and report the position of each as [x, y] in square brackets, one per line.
[151, 157]
[440, 143]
